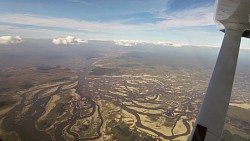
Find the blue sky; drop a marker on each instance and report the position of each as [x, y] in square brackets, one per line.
[178, 21]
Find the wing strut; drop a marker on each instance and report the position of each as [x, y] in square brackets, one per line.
[233, 16]
[215, 104]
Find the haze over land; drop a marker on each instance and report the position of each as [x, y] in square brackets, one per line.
[111, 90]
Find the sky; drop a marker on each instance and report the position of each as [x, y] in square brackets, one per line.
[178, 21]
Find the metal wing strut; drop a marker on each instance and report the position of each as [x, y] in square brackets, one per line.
[233, 17]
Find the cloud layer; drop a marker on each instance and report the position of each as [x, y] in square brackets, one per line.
[69, 40]
[10, 39]
[129, 43]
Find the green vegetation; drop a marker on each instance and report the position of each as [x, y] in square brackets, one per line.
[90, 130]
[104, 71]
[9, 136]
[46, 68]
[168, 122]
[51, 117]
[26, 85]
[60, 79]
[59, 109]
[122, 129]
[122, 132]
[44, 124]
[129, 65]
[6, 75]
[153, 118]
[6, 101]
[12, 81]
[4, 89]
[233, 137]
[239, 113]
[237, 124]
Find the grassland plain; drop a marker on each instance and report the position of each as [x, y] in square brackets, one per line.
[127, 97]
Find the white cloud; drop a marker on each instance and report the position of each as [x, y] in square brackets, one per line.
[69, 40]
[82, 2]
[10, 39]
[200, 16]
[66, 23]
[170, 44]
[129, 43]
